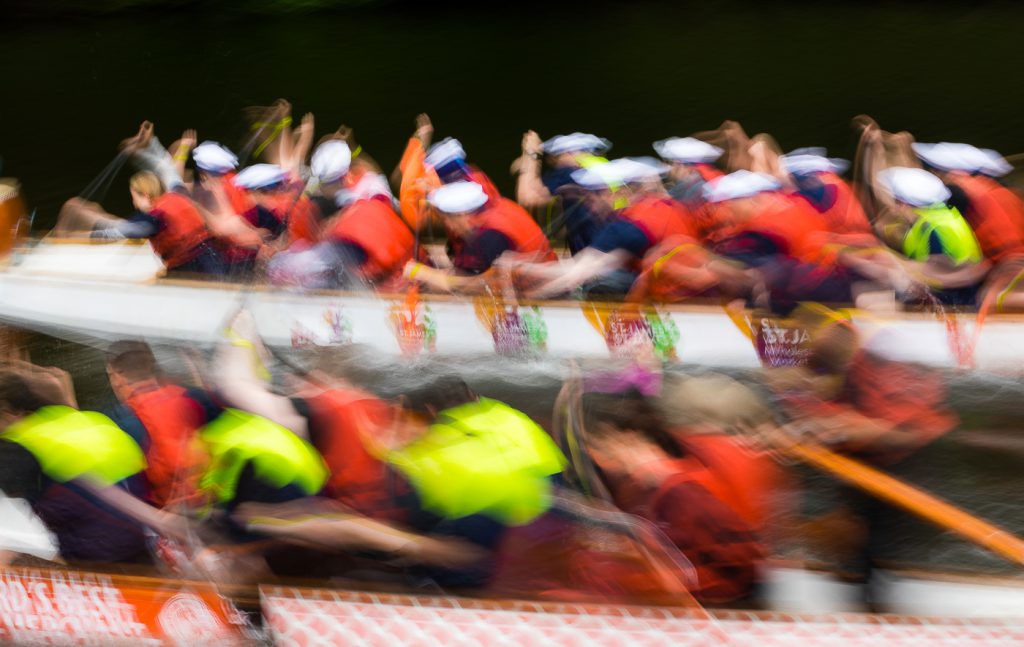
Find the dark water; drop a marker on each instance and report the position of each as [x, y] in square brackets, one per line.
[631, 71]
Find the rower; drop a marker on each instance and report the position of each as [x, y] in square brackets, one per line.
[535, 190]
[480, 230]
[650, 473]
[938, 249]
[223, 203]
[818, 180]
[365, 243]
[61, 460]
[456, 466]
[282, 210]
[168, 415]
[995, 213]
[172, 224]
[608, 265]
[693, 166]
[856, 395]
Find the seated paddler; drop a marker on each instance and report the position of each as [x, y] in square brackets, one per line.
[167, 218]
[365, 242]
[610, 264]
[480, 230]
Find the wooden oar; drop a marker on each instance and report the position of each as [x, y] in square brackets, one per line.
[911, 499]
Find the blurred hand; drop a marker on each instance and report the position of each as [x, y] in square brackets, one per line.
[424, 129]
[532, 143]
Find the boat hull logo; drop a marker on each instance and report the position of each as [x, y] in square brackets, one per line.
[633, 331]
[414, 326]
[515, 332]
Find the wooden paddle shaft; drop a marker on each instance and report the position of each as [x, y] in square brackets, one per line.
[912, 499]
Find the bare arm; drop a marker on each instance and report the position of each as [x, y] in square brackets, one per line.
[530, 190]
[324, 524]
[570, 274]
[237, 375]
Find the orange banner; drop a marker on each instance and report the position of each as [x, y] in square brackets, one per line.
[83, 608]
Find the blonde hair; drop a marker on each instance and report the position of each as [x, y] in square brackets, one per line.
[146, 183]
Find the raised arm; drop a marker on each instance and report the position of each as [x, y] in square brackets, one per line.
[530, 190]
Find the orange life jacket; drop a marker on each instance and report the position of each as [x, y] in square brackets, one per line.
[171, 419]
[792, 223]
[513, 221]
[374, 226]
[846, 215]
[299, 214]
[995, 214]
[660, 217]
[183, 229]
[340, 421]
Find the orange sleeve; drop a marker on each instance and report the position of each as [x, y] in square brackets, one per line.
[417, 180]
[302, 223]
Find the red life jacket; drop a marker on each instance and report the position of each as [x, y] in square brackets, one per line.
[723, 547]
[374, 226]
[183, 229]
[339, 420]
[171, 419]
[660, 217]
[743, 478]
[517, 225]
[995, 214]
[240, 200]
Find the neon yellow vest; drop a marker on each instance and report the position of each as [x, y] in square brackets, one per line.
[953, 231]
[70, 444]
[278, 456]
[482, 457]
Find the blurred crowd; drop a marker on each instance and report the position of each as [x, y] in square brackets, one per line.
[641, 486]
[717, 215]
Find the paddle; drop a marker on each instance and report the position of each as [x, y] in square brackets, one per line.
[910, 498]
[897, 492]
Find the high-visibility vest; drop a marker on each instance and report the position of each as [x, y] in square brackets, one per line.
[953, 231]
[483, 457]
[70, 444]
[279, 458]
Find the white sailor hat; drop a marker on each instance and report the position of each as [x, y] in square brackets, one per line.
[619, 172]
[458, 197]
[369, 186]
[808, 161]
[330, 161]
[739, 184]
[214, 158]
[914, 186]
[963, 157]
[687, 150]
[576, 143]
[445, 151]
[260, 176]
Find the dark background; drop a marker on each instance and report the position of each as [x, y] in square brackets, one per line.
[79, 76]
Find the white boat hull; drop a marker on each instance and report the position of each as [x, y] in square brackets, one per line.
[112, 291]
